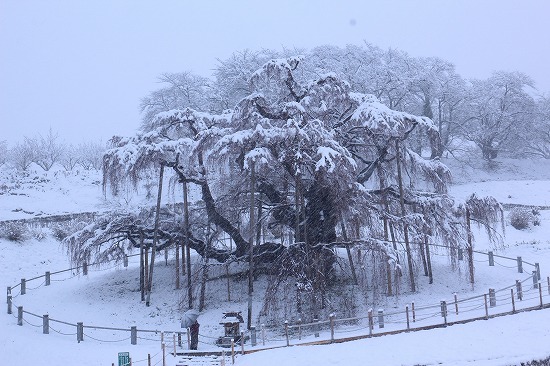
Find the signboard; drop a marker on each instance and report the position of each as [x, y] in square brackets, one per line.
[123, 358]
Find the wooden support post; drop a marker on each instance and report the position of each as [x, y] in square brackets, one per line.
[133, 335]
[331, 318]
[513, 300]
[371, 322]
[8, 292]
[380, 318]
[179, 339]
[456, 303]
[85, 269]
[148, 359]
[48, 278]
[413, 312]
[286, 333]
[492, 298]
[486, 308]
[9, 304]
[520, 265]
[537, 268]
[20, 315]
[163, 346]
[23, 286]
[80, 332]
[407, 312]
[518, 290]
[491, 259]
[535, 279]
[540, 297]
[263, 334]
[46, 324]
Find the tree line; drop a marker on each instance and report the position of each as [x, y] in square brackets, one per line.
[48, 150]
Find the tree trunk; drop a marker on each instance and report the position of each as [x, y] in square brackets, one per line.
[155, 236]
[141, 268]
[348, 250]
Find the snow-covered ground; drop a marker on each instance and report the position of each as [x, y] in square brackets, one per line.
[109, 296]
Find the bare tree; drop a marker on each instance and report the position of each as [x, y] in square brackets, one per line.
[3, 152]
[90, 154]
[48, 149]
[22, 155]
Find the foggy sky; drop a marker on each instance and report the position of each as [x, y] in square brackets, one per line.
[81, 67]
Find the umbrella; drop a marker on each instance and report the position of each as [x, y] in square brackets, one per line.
[189, 318]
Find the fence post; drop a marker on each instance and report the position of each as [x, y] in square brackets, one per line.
[407, 311]
[414, 312]
[535, 281]
[460, 254]
[80, 332]
[300, 328]
[125, 260]
[486, 308]
[380, 318]
[444, 310]
[179, 339]
[492, 298]
[188, 339]
[19, 315]
[456, 303]
[491, 259]
[540, 297]
[242, 343]
[133, 335]
[163, 346]
[232, 349]
[537, 268]
[286, 333]
[48, 275]
[513, 300]
[148, 359]
[8, 292]
[23, 286]
[371, 322]
[9, 304]
[263, 334]
[316, 326]
[331, 318]
[520, 265]
[174, 340]
[253, 335]
[85, 268]
[548, 280]
[46, 324]
[518, 290]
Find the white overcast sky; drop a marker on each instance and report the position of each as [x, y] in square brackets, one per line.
[81, 67]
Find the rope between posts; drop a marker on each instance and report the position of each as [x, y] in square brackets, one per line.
[102, 340]
[31, 324]
[37, 287]
[59, 332]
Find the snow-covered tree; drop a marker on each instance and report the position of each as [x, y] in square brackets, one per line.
[329, 167]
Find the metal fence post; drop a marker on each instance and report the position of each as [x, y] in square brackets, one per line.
[491, 259]
[46, 324]
[520, 265]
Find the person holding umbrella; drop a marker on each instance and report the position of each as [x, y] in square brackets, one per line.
[189, 320]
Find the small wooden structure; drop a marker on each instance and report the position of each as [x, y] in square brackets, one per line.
[231, 322]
